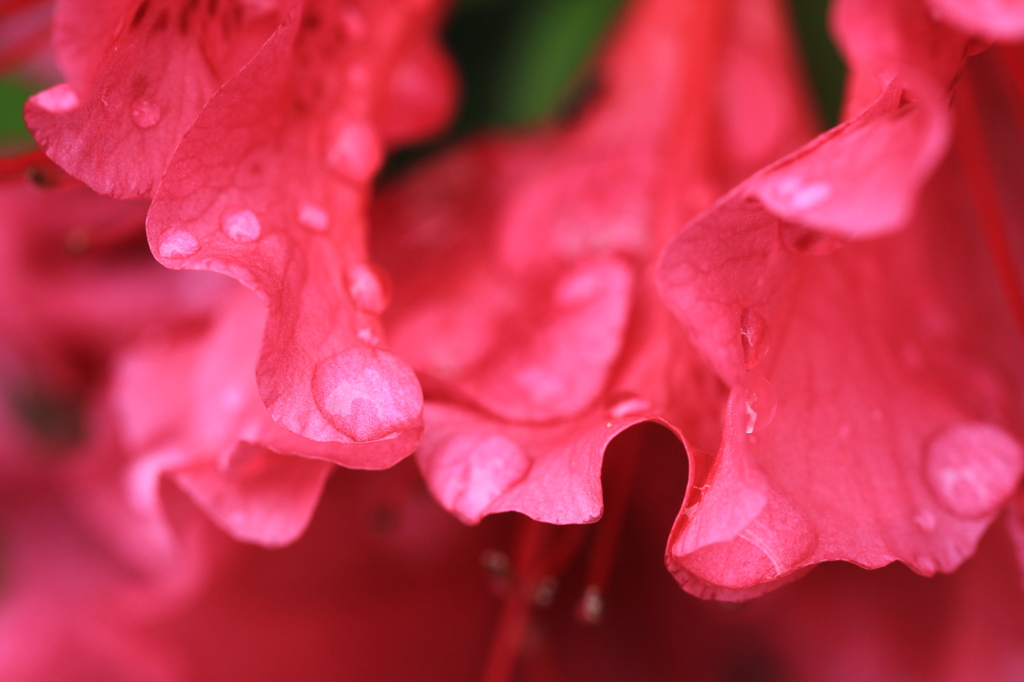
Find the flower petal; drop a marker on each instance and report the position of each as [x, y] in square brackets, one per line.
[893, 365]
[139, 73]
[268, 187]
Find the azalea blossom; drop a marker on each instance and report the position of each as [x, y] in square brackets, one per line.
[674, 326]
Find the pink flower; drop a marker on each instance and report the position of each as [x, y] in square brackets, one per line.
[876, 383]
[257, 144]
[674, 304]
[542, 339]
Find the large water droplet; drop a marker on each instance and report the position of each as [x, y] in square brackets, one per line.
[177, 244]
[808, 242]
[312, 217]
[355, 152]
[760, 401]
[755, 337]
[144, 113]
[367, 394]
[623, 404]
[58, 99]
[365, 288]
[468, 472]
[972, 468]
[241, 226]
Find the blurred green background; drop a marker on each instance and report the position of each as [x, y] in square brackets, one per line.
[523, 61]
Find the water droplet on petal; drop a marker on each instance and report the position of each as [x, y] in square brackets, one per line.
[58, 99]
[367, 394]
[144, 113]
[355, 152]
[972, 468]
[806, 241]
[367, 335]
[242, 226]
[760, 400]
[313, 217]
[801, 195]
[925, 520]
[177, 244]
[623, 404]
[469, 471]
[365, 288]
[755, 336]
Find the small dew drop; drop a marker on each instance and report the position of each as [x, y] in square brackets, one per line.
[355, 152]
[367, 335]
[178, 244]
[241, 226]
[806, 241]
[312, 217]
[144, 113]
[623, 404]
[760, 400]
[755, 336]
[973, 467]
[365, 288]
[58, 99]
[591, 610]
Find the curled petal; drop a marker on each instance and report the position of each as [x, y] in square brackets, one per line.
[893, 395]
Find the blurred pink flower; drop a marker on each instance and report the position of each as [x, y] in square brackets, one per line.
[672, 303]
